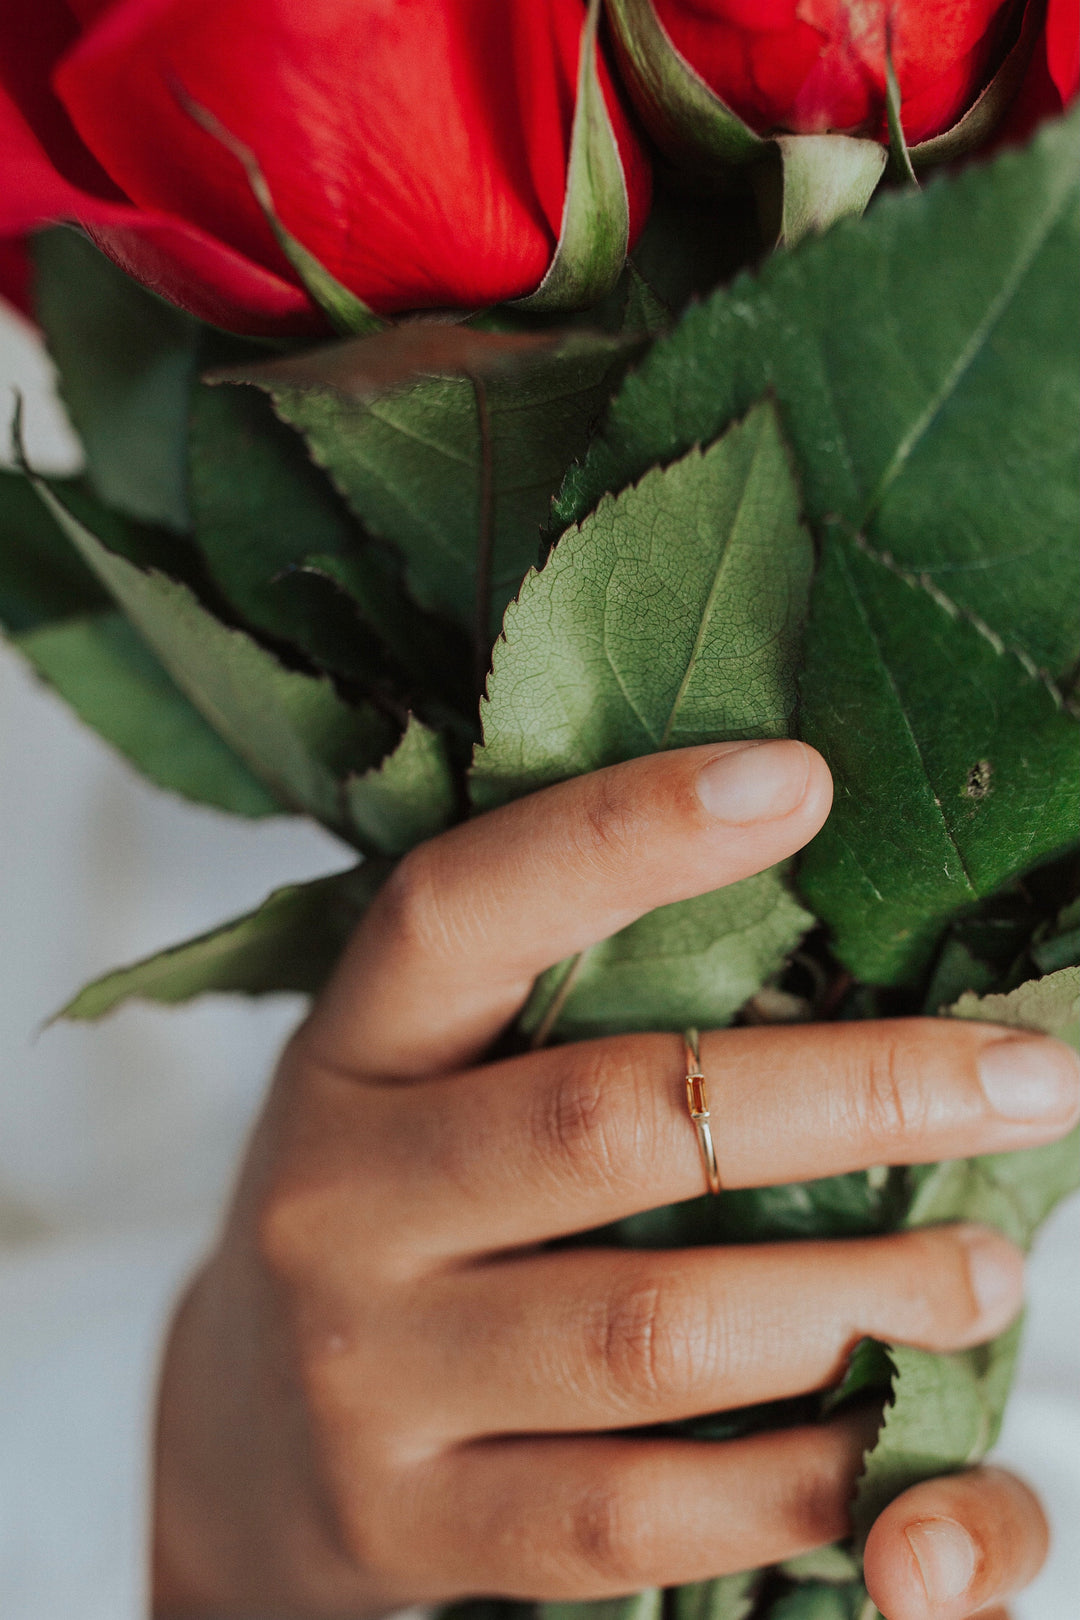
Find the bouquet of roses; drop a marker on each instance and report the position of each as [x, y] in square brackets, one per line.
[479, 392]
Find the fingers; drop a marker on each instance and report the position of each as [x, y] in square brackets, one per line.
[450, 948]
[550, 1519]
[949, 1548]
[600, 1339]
[566, 1139]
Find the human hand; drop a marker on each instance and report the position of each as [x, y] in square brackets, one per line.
[383, 1389]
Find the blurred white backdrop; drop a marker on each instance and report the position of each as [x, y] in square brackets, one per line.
[133, 1127]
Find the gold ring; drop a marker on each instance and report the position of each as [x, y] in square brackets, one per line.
[698, 1103]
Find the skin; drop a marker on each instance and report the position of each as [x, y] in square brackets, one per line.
[384, 1389]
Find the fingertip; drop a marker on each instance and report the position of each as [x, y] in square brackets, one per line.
[950, 1546]
[818, 796]
[748, 783]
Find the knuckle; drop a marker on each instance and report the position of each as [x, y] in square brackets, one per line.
[581, 1118]
[412, 909]
[608, 835]
[649, 1343]
[894, 1096]
[939, 1263]
[610, 1538]
[294, 1221]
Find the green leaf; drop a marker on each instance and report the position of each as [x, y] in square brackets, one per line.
[127, 364]
[345, 606]
[642, 1606]
[956, 767]
[290, 942]
[854, 1205]
[824, 1602]
[285, 551]
[834, 1565]
[449, 442]
[595, 229]
[1050, 1005]
[1059, 945]
[868, 1370]
[944, 1416]
[729, 1598]
[258, 505]
[293, 731]
[672, 616]
[946, 1410]
[41, 578]
[346, 312]
[1013, 1191]
[699, 960]
[99, 664]
[408, 798]
[926, 348]
[825, 178]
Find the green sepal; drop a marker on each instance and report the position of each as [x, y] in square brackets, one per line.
[899, 155]
[594, 232]
[347, 313]
[289, 943]
[993, 101]
[825, 178]
[688, 121]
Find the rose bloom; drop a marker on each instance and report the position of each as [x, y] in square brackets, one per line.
[418, 148]
[810, 66]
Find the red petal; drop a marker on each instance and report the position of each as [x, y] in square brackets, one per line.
[46, 175]
[1063, 47]
[418, 151]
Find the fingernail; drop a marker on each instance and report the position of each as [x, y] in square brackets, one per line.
[1037, 1079]
[757, 781]
[994, 1270]
[946, 1557]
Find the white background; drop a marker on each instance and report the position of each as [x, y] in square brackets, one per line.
[134, 1125]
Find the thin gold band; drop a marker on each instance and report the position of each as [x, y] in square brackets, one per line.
[698, 1103]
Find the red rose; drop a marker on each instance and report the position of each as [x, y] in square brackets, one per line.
[711, 77]
[417, 148]
[811, 66]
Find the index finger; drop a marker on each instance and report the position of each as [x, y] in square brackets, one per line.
[449, 950]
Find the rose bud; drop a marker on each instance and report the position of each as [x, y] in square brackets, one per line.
[832, 84]
[253, 159]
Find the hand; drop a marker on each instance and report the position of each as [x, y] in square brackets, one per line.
[383, 1389]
